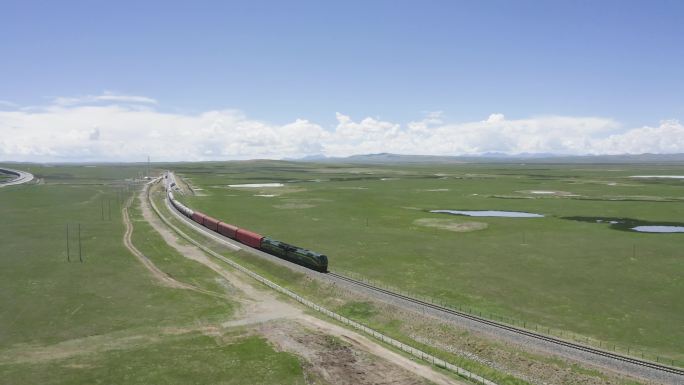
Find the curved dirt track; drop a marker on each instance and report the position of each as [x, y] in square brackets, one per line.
[157, 273]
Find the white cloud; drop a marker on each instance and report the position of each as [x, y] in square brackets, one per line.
[667, 137]
[112, 127]
[106, 97]
[495, 118]
[557, 134]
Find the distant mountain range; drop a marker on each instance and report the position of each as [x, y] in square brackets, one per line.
[389, 158]
[498, 158]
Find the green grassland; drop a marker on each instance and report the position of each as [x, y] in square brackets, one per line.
[336, 300]
[616, 286]
[189, 359]
[41, 291]
[405, 326]
[103, 320]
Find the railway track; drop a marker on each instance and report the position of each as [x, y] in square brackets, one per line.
[527, 333]
[20, 177]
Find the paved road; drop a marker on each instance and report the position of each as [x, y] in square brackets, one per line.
[20, 177]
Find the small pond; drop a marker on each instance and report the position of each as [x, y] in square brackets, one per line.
[256, 185]
[634, 225]
[659, 229]
[489, 213]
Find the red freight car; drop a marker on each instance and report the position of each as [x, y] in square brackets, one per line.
[227, 229]
[249, 238]
[198, 217]
[211, 223]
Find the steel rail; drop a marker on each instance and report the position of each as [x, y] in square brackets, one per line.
[557, 341]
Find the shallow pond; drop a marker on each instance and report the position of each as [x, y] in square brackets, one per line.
[634, 225]
[659, 229]
[489, 213]
[256, 185]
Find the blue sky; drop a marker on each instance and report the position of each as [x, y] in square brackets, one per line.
[392, 61]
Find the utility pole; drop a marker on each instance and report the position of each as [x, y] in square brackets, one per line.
[80, 257]
[67, 241]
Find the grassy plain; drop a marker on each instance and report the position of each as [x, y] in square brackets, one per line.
[428, 334]
[106, 320]
[192, 358]
[336, 300]
[616, 286]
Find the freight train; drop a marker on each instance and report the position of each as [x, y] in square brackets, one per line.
[294, 254]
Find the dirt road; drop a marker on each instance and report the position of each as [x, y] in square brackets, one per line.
[160, 276]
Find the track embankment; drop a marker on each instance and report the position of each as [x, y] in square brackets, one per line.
[609, 360]
[21, 177]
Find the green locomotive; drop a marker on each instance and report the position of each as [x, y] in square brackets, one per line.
[294, 254]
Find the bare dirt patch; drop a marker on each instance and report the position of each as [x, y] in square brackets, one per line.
[393, 359]
[299, 203]
[120, 340]
[294, 206]
[333, 359]
[450, 224]
[265, 189]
